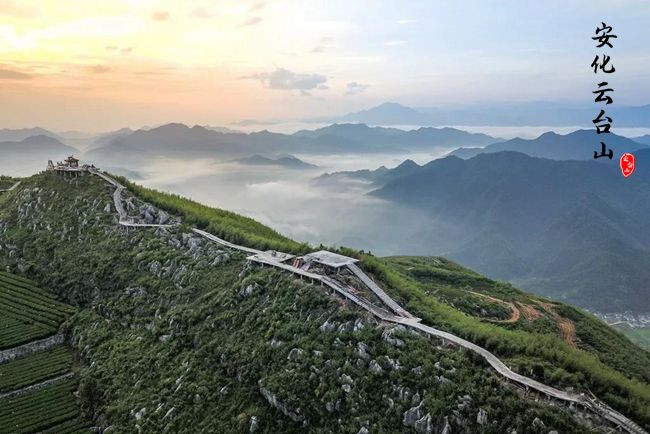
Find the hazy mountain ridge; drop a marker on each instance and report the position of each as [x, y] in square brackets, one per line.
[493, 200]
[34, 147]
[578, 145]
[181, 141]
[524, 114]
[17, 135]
[643, 139]
[377, 177]
[288, 162]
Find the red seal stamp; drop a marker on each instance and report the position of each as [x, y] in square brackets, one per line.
[627, 164]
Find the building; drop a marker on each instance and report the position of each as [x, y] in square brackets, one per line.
[72, 162]
[328, 259]
[70, 166]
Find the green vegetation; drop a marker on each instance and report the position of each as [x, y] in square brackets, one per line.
[50, 410]
[640, 336]
[224, 224]
[6, 182]
[173, 328]
[34, 368]
[27, 312]
[610, 366]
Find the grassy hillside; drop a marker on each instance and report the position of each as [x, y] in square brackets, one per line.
[224, 224]
[6, 182]
[640, 336]
[177, 334]
[603, 360]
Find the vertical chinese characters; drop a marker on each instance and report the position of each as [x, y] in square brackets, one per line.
[604, 65]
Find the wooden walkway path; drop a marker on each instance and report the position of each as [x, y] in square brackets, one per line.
[119, 207]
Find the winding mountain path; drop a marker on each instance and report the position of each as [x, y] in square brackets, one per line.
[592, 404]
[117, 200]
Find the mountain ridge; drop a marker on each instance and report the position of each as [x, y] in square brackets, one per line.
[522, 114]
[577, 145]
[338, 138]
[504, 184]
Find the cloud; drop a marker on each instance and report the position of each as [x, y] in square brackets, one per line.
[10, 74]
[160, 16]
[407, 21]
[394, 43]
[18, 9]
[203, 13]
[354, 88]
[123, 50]
[318, 49]
[98, 69]
[251, 21]
[258, 6]
[284, 79]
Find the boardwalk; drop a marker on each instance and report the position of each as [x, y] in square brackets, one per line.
[392, 304]
[119, 207]
[401, 316]
[223, 242]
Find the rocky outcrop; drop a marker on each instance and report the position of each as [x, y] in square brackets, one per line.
[482, 417]
[424, 425]
[253, 425]
[412, 415]
[275, 402]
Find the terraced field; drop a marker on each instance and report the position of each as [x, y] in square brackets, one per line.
[49, 410]
[27, 312]
[34, 368]
[37, 382]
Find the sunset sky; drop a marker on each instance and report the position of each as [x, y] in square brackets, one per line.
[97, 65]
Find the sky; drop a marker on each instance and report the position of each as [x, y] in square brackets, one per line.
[96, 65]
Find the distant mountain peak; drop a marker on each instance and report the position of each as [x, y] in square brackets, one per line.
[390, 104]
[286, 161]
[407, 164]
[41, 139]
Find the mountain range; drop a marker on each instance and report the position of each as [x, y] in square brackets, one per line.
[16, 135]
[573, 230]
[578, 145]
[40, 146]
[524, 114]
[181, 141]
[287, 162]
[376, 177]
[642, 139]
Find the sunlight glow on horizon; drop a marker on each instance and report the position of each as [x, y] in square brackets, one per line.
[97, 65]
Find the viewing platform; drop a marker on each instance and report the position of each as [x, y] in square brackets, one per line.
[69, 167]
